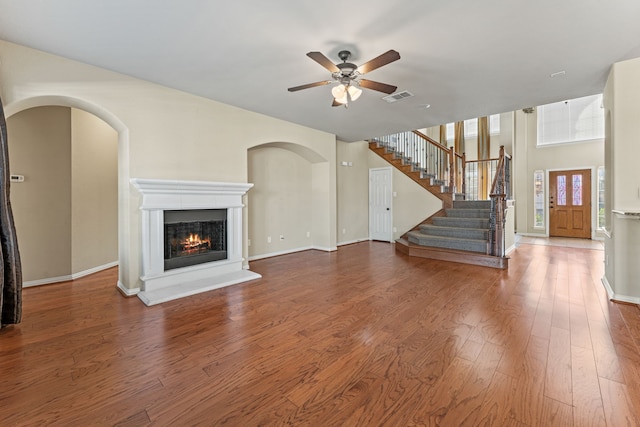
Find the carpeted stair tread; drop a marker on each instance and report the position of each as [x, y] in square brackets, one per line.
[471, 233]
[446, 221]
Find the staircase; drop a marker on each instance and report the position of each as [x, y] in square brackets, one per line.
[465, 228]
[460, 232]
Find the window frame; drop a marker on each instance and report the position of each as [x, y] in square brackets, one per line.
[539, 191]
[569, 123]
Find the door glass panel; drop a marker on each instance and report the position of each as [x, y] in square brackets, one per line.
[577, 190]
[562, 190]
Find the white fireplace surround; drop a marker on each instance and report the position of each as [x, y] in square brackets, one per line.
[159, 195]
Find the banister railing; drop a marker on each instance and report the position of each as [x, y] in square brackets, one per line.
[431, 158]
[500, 192]
[488, 179]
[479, 178]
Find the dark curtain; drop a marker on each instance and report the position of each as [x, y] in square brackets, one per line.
[11, 274]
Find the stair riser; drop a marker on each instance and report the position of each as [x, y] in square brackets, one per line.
[455, 232]
[472, 204]
[468, 213]
[461, 222]
[479, 247]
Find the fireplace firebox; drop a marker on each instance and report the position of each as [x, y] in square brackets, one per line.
[194, 237]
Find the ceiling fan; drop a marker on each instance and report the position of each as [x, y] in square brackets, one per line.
[348, 76]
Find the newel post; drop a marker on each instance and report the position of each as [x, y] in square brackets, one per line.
[452, 171]
[464, 173]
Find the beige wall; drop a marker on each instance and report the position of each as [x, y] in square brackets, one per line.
[40, 149]
[353, 191]
[622, 243]
[412, 204]
[280, 202]
[528, 158]
[163, 133]
[94, 192]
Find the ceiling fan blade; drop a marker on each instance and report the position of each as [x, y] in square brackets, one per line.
[380, 87]
[324, 61]
[379, 61]
[307, 86]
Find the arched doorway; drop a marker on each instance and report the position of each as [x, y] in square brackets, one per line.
[88, 111]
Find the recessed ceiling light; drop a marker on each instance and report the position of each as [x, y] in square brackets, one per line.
[558, 74]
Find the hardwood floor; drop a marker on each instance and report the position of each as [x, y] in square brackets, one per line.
[358, 337]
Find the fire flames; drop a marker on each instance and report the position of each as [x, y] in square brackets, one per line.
[194, 243]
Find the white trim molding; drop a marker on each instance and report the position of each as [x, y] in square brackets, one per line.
[617, 297]
[73, 276]
[159, 195]
[126, 291]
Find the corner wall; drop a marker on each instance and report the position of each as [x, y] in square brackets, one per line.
[66, 209]
[40, 150]
[622, 243]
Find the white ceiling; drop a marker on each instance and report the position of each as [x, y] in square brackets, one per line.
[466, 58]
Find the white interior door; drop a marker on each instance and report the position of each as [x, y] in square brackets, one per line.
[380, 204]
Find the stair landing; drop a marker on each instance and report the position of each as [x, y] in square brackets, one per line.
[465, 257]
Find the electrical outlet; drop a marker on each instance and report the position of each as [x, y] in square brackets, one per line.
[268, 239]
[308, 234]
[248, 242]
[344, 231]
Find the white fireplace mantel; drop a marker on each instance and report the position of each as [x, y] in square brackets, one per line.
[159, 195]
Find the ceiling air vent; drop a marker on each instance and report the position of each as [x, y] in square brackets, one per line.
[398, 96]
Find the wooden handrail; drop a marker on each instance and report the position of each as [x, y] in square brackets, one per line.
[431, 140]
[483, 160]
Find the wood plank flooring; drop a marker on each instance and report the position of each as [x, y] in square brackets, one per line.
[358, 337]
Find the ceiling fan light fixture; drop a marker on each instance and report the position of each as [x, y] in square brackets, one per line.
[354, 92]
[340, 93]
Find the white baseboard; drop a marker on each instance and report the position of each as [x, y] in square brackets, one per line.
[322, 248]
[510, 249]
[617, 297]
[47, 281]
[285, 252]
[533, 234]
[80, 274]
[351, 242]
[291, 251]
[74, 276]
[126, 291]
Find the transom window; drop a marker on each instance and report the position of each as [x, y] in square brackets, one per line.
[471, 127]
[575, 120]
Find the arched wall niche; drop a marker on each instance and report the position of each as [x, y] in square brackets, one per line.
[289, 206]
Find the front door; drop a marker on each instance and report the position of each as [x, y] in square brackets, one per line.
[570, 203]
[380, 200]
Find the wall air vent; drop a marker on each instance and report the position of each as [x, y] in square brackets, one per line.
[398, 96]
